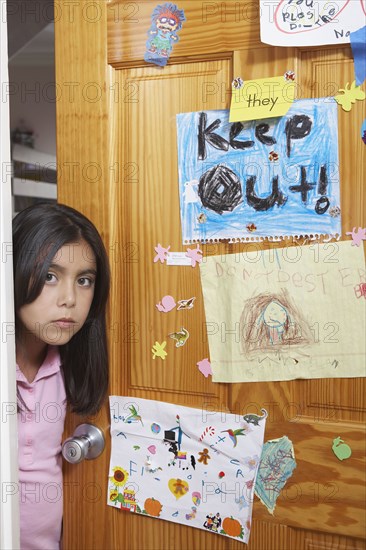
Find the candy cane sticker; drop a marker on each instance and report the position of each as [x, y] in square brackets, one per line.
[210, 430]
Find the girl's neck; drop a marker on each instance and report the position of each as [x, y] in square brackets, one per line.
[30, 356]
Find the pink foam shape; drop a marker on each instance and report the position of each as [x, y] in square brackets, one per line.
[195, 254]
[204, 366]
[162, 253]
[167, 304]
[357, 236]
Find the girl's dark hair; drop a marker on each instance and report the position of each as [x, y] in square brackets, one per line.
[38, 233]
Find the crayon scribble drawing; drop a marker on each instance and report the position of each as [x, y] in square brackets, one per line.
[276, 466]
[285, 313]
[269, 178]
[270, 322]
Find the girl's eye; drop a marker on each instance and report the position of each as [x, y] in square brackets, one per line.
[50, 278]
[85, 281]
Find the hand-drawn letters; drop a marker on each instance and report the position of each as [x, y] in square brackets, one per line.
[278, 176]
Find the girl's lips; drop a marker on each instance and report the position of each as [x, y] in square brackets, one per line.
[64, 323]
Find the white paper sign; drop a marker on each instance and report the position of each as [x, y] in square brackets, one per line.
[310, 22]
[194, 467]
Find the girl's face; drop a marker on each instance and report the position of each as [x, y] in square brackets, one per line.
[63, 305]
[275, 315]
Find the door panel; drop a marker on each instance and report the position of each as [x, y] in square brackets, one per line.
[148, 131]
[120, 143]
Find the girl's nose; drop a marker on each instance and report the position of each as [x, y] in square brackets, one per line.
[67, 295]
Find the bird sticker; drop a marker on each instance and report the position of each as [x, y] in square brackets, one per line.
[133, 416]
[234, 434]
[186, 304]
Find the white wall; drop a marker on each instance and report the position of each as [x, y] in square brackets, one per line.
[33, 99]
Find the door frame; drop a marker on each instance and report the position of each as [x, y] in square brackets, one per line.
[9, 526]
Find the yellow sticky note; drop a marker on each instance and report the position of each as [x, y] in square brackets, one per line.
[263, 98]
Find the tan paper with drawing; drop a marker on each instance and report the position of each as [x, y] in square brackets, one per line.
[286, 313]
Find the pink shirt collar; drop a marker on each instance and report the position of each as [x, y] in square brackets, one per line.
[50, 365]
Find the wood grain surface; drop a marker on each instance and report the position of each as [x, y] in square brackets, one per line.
[117, 159]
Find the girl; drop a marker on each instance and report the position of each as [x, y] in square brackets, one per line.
[61, 285]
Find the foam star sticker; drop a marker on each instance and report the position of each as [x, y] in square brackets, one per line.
[158, 350]
[357, 236]
[162, 253]
[195, 254]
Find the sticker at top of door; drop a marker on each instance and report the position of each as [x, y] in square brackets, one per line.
[166, 20]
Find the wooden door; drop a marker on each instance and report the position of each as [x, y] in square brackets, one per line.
[117, 160]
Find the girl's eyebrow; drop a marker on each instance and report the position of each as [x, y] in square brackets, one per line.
[88, 272]
[62, 269]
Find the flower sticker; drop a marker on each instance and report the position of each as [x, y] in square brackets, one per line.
[113, 495]
[120, 476]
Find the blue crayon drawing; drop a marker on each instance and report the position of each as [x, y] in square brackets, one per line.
[276, 466]
[267, 178]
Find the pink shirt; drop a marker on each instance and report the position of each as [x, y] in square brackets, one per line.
[40, 465]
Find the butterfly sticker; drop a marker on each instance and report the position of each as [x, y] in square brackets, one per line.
[289, 75]
[349, 96]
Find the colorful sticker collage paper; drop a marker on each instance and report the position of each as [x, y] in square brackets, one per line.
[194, 467]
